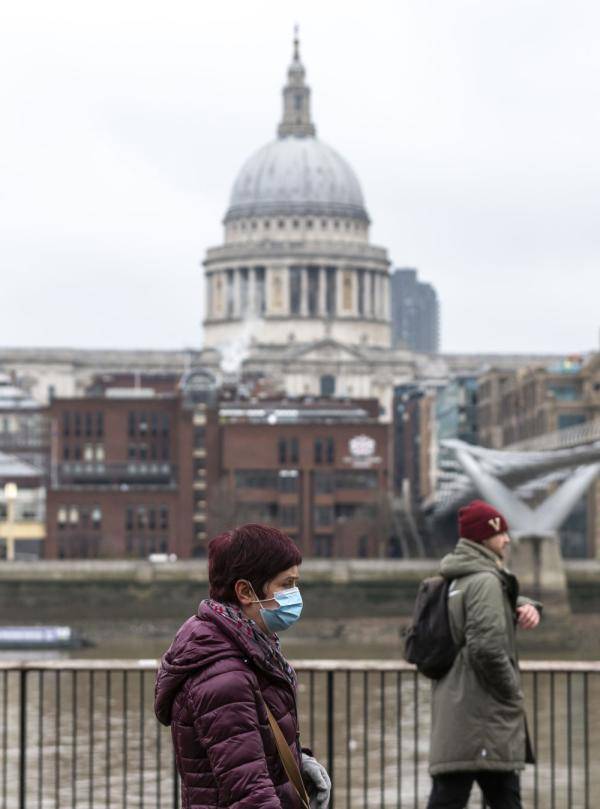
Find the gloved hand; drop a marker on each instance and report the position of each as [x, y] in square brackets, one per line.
[317, 782]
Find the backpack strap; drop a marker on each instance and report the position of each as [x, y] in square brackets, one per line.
[288, 759]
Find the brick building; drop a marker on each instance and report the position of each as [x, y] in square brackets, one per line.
[129, 471]
[318, 469]
[513, 406]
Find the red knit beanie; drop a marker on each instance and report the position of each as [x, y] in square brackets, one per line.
[479, 521]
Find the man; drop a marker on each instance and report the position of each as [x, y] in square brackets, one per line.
[478, 730]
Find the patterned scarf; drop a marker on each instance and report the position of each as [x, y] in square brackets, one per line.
[265, 649]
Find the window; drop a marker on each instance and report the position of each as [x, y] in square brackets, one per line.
[318, 451]
[99, 425]
[323, 483]
[355, 479]
[288, 481]
[294, 450]
[154, 424]
[165, 426]
[61, 517]
[77, 424]
[164, 517]
[66, 453]
[570, 420]
[129, 519]
[96, 517]
[199, 437]
[323, 516]
[152, 519]
[131, 425]
[288, 450]
[281, 224]
[66, 423]
[88, 452]
[288, 515]
[324, 545]
[324, 450]
[347, 511]
[74, 515]
[282, 450]
[143, 424]
[565, 393]
[141, 518]
[256, 479]
[327, 385]
[88, 424]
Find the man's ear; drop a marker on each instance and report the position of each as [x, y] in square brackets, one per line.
[244, 592]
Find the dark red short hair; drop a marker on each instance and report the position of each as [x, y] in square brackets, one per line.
[256, 553]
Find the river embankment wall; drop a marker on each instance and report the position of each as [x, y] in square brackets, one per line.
[40, 591]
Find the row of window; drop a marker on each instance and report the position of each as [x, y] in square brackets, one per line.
[327, 515]
[152, 452]
[142, 424]
[287, 480]
[89, 452]
[79, 547]
[344, 480]
[146, 518]
[75, 516]
[288, 451]
[91, 547]
[296, 223]
[88, 424]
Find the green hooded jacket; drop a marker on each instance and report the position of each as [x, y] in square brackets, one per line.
[478, 717]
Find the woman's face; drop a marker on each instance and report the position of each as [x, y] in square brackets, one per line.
[247, 597]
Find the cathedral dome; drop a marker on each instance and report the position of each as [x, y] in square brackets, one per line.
[295, 176]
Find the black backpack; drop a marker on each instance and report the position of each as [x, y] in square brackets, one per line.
[428, 641]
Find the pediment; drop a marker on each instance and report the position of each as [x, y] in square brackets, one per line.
[327, 351]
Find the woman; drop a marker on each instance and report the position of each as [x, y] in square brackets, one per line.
[225, 667]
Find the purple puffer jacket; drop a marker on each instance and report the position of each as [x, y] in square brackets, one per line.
[208, 688]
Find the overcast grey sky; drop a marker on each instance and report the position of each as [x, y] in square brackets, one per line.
[473, 126]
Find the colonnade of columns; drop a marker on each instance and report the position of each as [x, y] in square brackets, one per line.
[298, 290]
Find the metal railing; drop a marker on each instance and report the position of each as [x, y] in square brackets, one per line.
[82, 734]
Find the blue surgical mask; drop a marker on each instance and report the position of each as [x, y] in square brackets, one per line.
[287, 612]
